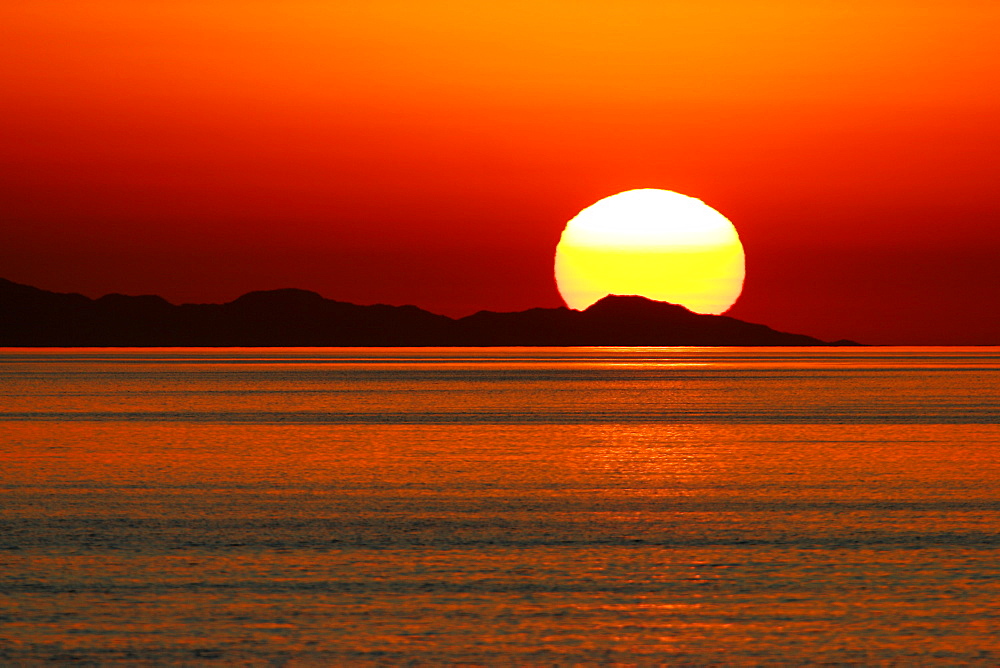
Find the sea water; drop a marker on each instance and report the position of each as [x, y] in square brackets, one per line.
[564, 506]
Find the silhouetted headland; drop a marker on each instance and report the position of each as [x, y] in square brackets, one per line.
[33, 317]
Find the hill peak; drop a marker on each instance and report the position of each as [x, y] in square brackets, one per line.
[635, 305]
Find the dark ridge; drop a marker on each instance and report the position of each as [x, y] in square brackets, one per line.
[289, 317]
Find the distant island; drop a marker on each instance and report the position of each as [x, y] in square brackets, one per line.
[33, 317]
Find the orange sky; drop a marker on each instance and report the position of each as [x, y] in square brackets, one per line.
[430, 152]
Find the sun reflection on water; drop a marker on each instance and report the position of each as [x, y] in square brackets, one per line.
[369, 506]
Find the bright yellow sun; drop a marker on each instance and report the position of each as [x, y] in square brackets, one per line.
[654, 243]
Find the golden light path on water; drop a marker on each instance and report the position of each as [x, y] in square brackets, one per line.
[484, 506]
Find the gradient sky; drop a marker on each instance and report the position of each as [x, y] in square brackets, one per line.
[431, 152]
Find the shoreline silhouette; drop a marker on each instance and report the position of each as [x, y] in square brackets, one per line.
[32, 317]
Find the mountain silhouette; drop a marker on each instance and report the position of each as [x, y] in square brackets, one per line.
[30, 316]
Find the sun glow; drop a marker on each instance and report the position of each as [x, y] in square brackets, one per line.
[654, 243]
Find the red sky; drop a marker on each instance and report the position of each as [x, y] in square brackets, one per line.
[431, 152]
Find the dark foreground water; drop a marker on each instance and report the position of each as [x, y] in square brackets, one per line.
[500, 507]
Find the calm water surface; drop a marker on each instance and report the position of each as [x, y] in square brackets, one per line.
[529, 506]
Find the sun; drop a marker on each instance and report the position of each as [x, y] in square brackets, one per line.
[654, 243]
